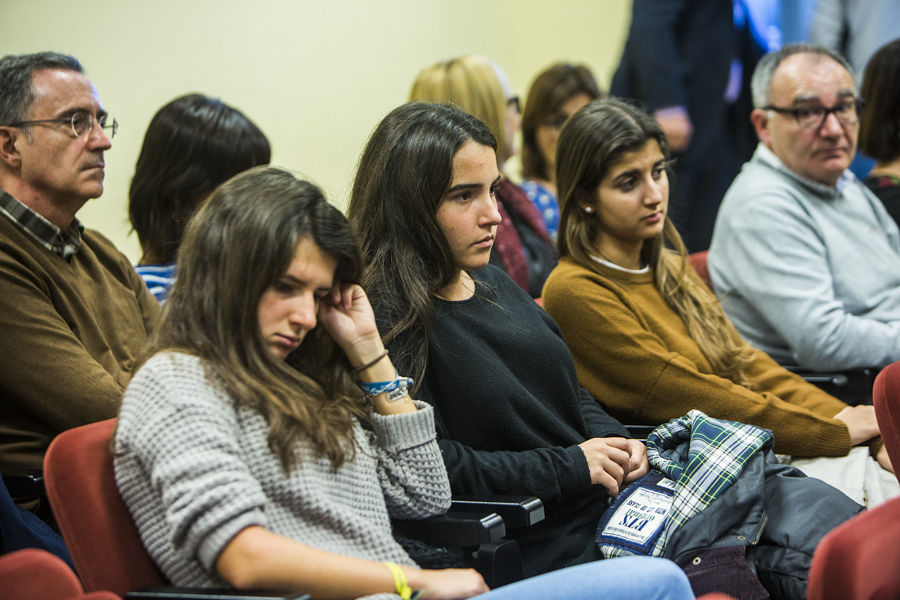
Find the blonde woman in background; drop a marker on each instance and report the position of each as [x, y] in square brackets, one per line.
[477, 85]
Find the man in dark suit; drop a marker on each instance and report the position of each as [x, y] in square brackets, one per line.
[689, 62]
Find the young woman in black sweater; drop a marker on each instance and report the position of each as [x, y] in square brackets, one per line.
[510, 414]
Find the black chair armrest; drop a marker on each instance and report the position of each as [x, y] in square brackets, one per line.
[454, 530]
[516, 511]
[838, 379]
[29, 486]
[188, 593]
[853, 387]
[476, 525]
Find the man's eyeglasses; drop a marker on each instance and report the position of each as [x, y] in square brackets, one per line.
[810, 117]
[81, 122]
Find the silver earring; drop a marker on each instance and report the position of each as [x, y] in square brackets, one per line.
[588, 209]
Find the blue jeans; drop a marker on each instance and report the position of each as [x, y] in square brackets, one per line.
[628, 578]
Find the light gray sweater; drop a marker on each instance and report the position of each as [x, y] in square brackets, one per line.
[808, 273]
[855, 29]
[194, 469]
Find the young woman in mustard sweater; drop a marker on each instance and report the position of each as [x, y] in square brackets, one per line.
[648, 337]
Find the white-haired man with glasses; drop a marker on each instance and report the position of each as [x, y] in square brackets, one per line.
[74, 315]
[805, 259]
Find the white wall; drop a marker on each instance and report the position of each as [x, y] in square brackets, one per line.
[316, 76]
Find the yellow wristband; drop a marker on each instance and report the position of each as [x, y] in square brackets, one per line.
[400, 584]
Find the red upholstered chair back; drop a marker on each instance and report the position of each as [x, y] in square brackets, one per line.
[38, 575]
[886, 396]
[93, 519]
[698, 261]
[859, 560]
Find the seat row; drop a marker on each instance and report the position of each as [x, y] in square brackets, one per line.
[857, 560]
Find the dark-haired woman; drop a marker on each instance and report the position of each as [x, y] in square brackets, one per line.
[510, 415]
[480, 87]
[879, 125]
[192, 144]
[244, 450]
[647, 334]
[556, 93]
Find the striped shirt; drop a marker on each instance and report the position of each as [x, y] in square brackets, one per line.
[159, 279]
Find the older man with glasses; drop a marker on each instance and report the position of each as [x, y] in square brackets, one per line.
[74, 315]
[804, 257]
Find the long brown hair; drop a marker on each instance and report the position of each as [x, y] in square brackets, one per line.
[591, 142]
[403, 174]
[235, 247]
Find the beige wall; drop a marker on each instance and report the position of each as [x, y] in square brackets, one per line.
[316, 76]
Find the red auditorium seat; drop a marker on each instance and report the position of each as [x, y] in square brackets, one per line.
[93, 519]
[886, 396]
[698, 261]
[860, 560]
[34, 574]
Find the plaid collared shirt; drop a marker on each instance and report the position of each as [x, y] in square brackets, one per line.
[64, 243]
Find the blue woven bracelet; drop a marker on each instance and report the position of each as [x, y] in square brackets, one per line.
[380, 387]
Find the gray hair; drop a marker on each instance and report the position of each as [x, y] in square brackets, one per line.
[761, 84]
[16, 92]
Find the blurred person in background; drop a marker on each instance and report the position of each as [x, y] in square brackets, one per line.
[689, 62]
[554, 96]
[192, 144]
[879, 125]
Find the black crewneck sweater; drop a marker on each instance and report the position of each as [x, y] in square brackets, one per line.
[510, 414]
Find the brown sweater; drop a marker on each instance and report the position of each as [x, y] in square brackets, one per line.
[634, 353]
[70, 332]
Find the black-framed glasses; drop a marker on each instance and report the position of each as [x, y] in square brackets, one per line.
[515, 104]
[81, 122]
[809, 117]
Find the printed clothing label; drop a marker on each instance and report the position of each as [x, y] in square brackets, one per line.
[636, 519]
[666, 483]
[639, 518]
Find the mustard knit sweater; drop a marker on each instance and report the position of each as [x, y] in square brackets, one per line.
[634, 353]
